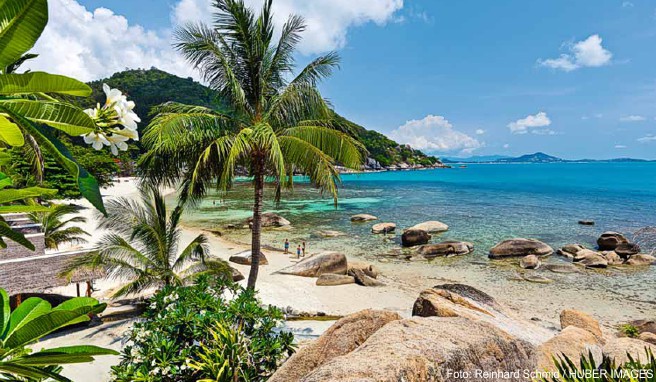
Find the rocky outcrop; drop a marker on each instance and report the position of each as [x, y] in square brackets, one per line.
[433, 226]
[530, 262]
[617, 348]
[315, 266]
[339, 340]
[383, 228]
[641, 260]
[413, 237]
[269, 219]
[608, 241]
[590, 259]
[571, 342]
[570, 250]
[612, 257]
[520, 248]
[644, 326]
[368, 269]
[445, 248]
[246, 258]
[361, 278]
[360, 218]
[648, 337]
[625, 250]
[570, 317]
[329, 279]
[429, 349]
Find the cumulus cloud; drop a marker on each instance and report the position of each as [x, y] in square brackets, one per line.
[647, 138]
[633, 118]
[587, 53]
[435, 133]
[328, 21]
[480, 131]
[535, 124]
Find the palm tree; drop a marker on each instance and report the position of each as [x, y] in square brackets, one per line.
[142, 247]
[57, 230]
[268, 122]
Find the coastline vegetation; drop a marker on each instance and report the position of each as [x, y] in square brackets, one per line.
[58, 230]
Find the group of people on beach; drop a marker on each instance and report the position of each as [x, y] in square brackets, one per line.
[300, 250]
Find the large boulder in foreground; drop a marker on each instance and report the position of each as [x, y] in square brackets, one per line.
[269, 219]
[446, 249]
[246, 258]
[520, 248]
[570, 317]
[572, 342]
[315, 266]
[340, 339]
[608, 241]
[413, 237]
[431, 227]
[383, 228]
[617, 348]
[429, 349]
[361, 218]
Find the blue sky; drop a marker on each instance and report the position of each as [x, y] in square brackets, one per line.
[456, 78]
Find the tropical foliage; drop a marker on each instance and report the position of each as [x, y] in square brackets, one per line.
[270, 122]
[57, 228]
[589, 370]
[32, 320]
[142, 246]
[196, 333]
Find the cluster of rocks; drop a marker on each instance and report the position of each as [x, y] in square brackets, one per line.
[455, 330]
[613, 249]
[331, 269]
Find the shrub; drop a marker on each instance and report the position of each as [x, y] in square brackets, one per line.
[187, 331]
[589, 370]
[630, 330]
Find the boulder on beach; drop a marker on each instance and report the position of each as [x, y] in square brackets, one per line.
[570, 250]
[648, 337]
[641, 260]
[433, 226]
[413, 237]
[361, 278]
[315, 266]
[617, 349]
[245, 258]
[360, 218]
[608, 241]
[428, 349]
[269, 219]
[570, 317]
[590, 259]
[520, 248]
[236, 275]
[624, 250]
[368, 269]
[644, 326]
[340, 339]
[445, 248]
[530, 262]
[329, 279]
[572, 342]
[383, 228]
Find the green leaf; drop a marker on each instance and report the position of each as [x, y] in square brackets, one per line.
[86, 182]
[31, 372]
[10, 133]
[7, 232]
[25, 312]
[13, 195]
[40, 82]
[5, 181]
[62, 116]
[64, 355]
[5, 312]
[17, 209]
[21, 25]
[42, 325]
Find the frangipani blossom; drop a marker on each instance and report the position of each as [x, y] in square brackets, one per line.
[97, 141]
[113, 95]
[126, 116]
[117, 142]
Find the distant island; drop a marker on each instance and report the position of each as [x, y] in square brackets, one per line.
[538, 157]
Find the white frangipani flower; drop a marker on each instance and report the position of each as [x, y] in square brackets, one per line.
[126, 116]
[117, 142]
[96, 140]
[113, 95]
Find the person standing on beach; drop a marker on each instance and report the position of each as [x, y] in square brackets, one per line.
[303, 249]
[286, 245]
[298, 251]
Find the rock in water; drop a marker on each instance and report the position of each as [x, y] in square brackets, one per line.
[429, 349]
[431, 227]
[586, 222]
[590, 259]
[245, 258]
[340, 339]
[362, 218]
[413, 237]
[570, 317]
[624, 250]
[570, 250]
[608, 241]
[329, 279]
[520, 248]
[530, 262]
[612, 258]
[383, 228]
[269, 219]
[446, 248]
[641, 260]
[572, 342]
[328, 234]
[316, 266]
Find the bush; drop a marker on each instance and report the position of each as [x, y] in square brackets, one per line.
[630, 330]
[588, 370]
[188, 331]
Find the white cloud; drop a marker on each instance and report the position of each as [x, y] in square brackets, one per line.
[633, 118]
[506, 146]
[620, 146]
[531, 123]
[480, 131]
[647, 138]
[328, 21]
[435, 134]
[90, 45]
[586, 53]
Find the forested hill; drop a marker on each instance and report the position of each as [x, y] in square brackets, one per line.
[148, 88]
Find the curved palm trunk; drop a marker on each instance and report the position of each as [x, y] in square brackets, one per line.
[257, 223]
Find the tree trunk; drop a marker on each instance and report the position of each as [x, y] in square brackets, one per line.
[256, 228]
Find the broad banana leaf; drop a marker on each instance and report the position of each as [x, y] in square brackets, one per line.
[5, 181]
[40, 82]
[63, 355]
[20, 209]
[65, 117]
[10, 133]
[43, 325]
[13, 195]
[21, 25]
[28, 310]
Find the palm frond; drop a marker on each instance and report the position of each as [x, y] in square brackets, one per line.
[336, 144]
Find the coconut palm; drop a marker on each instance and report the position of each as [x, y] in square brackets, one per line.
[57, 230]
[268, 122]
[142, 247]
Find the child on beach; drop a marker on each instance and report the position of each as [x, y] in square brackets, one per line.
[298, 251]
[286, 245]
